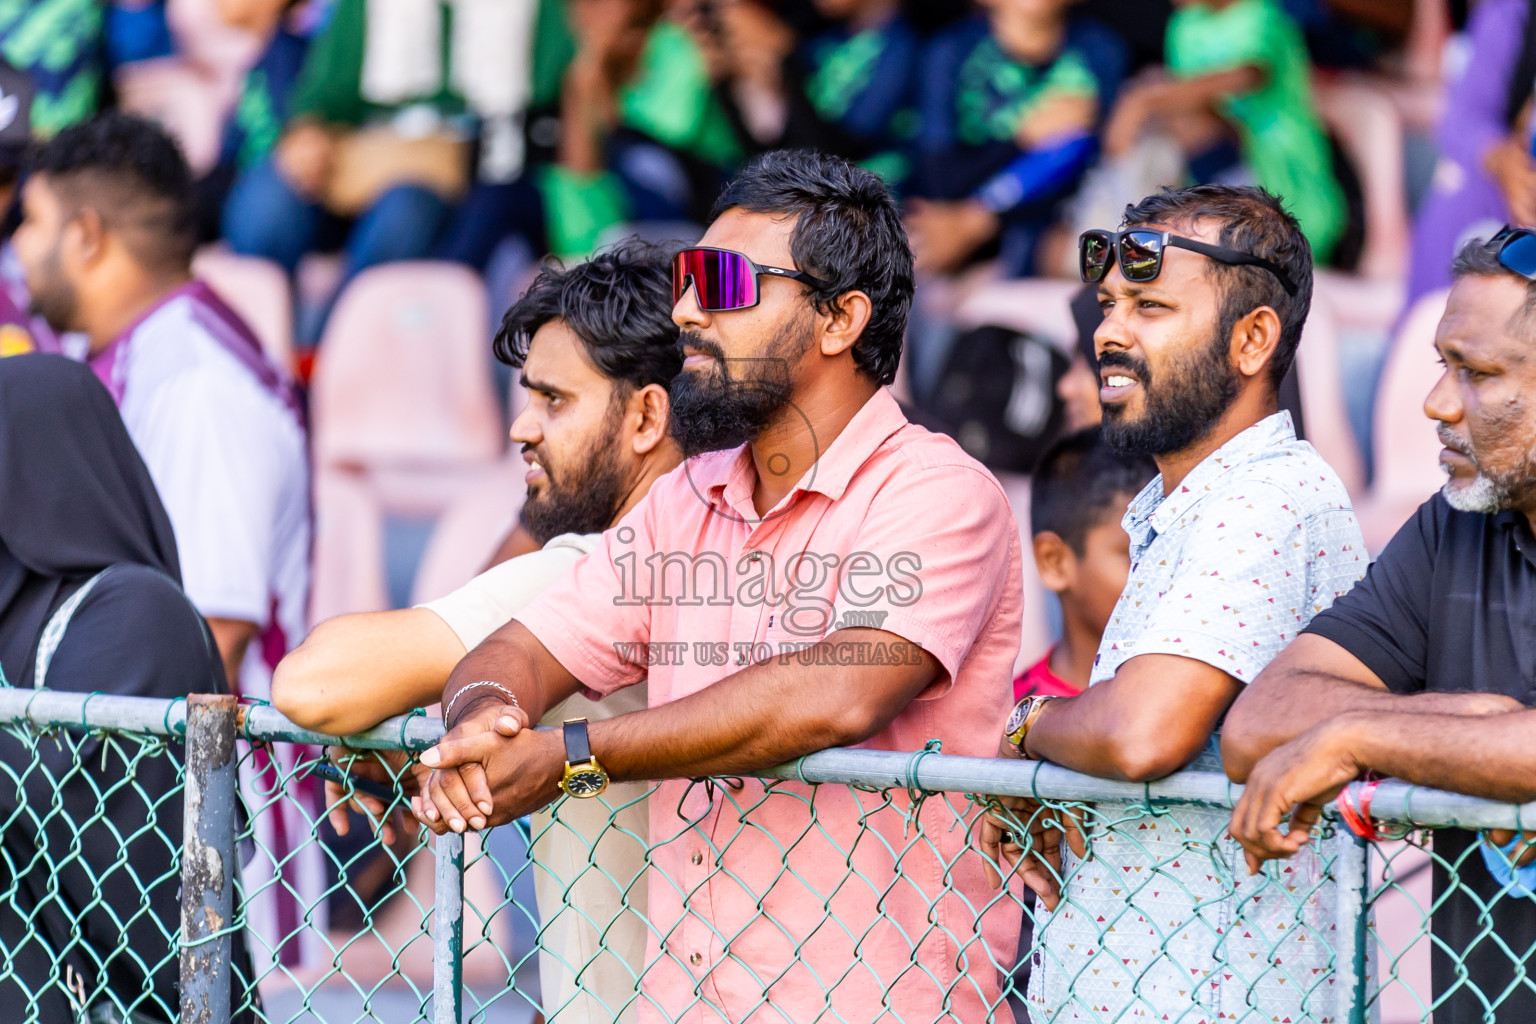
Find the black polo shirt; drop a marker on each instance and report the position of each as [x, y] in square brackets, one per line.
[1451, 606]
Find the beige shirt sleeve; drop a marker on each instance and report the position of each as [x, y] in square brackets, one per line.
[490, 600]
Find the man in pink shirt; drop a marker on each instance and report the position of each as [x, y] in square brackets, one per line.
[819, 573]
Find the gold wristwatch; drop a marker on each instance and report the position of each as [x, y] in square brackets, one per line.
[1023, 716]
[583, 777]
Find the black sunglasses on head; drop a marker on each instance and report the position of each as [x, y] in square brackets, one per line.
[1517, 250]
[1140, 252]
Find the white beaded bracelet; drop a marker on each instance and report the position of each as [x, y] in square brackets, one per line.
[484, 682]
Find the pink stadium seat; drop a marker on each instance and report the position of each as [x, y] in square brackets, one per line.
[1361, 303]
[317, 278]
[1039, 306]
[258, 290]
[1405, 444]
[404, 418]
[1370, 130]
[348, 571]
[1035, 636]
[403, 380]
[188, 100]
[1323, 409]
[469, 531]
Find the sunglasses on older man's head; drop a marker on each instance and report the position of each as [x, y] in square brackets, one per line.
[1517, 250]
[723, 279]
[1140, 253]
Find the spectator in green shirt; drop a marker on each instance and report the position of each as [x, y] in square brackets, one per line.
[642, 137]
[847, 84]
[60, 44]
[436, 67]
[1244, 61]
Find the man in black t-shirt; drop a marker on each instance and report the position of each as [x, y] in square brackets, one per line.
[1426, 671]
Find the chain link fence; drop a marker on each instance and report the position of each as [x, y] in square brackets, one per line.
[171, 861]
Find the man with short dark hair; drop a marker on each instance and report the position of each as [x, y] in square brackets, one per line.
[106, 243]
[820, 573]
[1427, 669]
[597, 349]
[1240, 539]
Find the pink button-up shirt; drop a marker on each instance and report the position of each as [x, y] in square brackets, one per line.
[776, 901]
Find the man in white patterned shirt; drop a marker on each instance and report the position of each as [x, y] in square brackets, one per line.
[1245, 535]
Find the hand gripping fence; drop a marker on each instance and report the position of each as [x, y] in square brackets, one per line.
[169, 861]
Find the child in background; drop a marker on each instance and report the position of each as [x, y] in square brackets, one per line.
[1010, 104]
[846, 87]
[1077, 498]
[1241, 66]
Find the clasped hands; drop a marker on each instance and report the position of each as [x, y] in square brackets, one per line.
[489, 769]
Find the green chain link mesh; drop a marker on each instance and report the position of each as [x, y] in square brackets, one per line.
[341, 930]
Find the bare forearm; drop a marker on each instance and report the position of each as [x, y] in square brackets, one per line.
[581, 139]
[354, 671]
[518, 664]
[1489, 756]
[1089, 734]
[763, 716]
[232, 637]
[1150, 720]
[1277, 710]
[1203, 91]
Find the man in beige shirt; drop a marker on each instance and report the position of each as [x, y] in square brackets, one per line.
[597, 349]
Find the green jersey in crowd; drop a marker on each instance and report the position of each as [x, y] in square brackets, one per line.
[1283, 142]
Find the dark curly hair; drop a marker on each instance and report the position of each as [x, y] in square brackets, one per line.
[619, 303]
[848, 235]
[1252, 221]
[1082, 483]
[132, 173]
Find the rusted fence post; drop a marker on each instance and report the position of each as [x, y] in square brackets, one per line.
[448, 931]
[208, 859]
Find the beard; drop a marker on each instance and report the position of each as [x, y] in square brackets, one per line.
[1200, 387]
[715, 410]
[1488, 492]
[582, 498]
[51, 296]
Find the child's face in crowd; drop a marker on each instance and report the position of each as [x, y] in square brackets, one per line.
[1090, 583]
[1028, 10]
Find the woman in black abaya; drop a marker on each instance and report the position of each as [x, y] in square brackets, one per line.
[89, 825]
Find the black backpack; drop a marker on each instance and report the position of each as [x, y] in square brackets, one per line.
[997, 396]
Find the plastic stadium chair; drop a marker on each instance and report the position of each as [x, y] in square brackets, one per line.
[1040, 306]
[1406, 447]
[192, 93]
[1360, 303]
[1370, 130]
[469, 531]
[348, 570]
[404, 419]
[258, 290]
[1035, 637]
[1320, 376]
[188, 100]
[403, 379]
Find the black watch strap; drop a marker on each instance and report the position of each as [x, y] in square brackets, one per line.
[578, 749]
